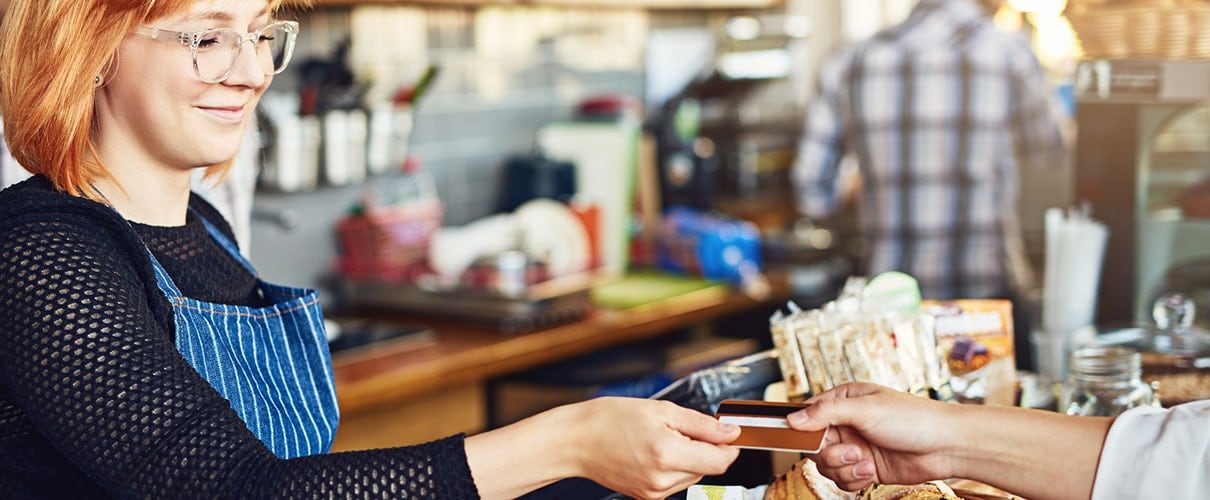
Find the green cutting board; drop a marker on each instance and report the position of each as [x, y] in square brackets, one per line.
[638, 288]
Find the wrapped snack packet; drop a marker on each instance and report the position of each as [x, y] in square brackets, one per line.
[936, 370]
[911, 360]
[808, 333]
[878, 343]
[976, 339]
[861, 361]
[926, 336]
[785, 343]
[831, 346]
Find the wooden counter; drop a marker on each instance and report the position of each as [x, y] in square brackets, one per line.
[386, 391]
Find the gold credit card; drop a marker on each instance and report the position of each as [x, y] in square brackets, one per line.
[763, 426]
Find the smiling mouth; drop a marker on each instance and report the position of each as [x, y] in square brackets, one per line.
[225, 113]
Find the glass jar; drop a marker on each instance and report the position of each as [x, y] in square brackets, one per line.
[1104, 381]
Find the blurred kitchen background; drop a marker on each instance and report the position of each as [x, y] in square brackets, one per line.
[405, 162]
[502, 72]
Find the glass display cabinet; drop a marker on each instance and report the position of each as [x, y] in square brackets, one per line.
[1143, 164]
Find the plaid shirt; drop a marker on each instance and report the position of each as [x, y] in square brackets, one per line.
[938, 111]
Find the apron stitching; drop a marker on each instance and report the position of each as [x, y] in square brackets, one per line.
[182, 302]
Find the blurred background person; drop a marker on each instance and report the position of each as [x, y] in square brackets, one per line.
[938, 112]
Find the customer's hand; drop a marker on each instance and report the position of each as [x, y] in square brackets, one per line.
[650, 449]
[879, 435]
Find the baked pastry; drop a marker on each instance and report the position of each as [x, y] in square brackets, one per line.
[804, 482]
[932, 490]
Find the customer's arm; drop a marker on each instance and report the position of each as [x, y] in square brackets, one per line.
[643, 448]
[881, 435]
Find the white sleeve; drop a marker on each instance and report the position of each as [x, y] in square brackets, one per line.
[1155, 453]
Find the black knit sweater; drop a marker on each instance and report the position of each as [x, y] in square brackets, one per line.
[95, 400]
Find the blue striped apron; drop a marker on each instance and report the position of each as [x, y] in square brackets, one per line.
[272, 363]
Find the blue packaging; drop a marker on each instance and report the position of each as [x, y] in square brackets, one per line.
[713, 246]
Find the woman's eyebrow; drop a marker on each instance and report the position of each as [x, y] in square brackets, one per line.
[219, 15]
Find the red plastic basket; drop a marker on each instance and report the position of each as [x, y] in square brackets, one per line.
[388, 243]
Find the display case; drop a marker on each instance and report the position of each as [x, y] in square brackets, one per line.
[1143, 165]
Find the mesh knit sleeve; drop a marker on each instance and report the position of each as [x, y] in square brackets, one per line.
[88, 362]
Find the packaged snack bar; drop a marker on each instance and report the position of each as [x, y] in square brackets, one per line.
[975, 337]
[808, 333]
[785, 343]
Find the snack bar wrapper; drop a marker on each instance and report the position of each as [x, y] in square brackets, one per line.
[975, 338]
[791, 363]
[886, 335]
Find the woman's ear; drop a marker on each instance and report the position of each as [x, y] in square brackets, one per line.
[107, 71]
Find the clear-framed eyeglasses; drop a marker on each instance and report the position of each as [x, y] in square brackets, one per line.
[216, 51]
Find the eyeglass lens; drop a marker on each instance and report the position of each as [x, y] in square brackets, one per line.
[218, 51]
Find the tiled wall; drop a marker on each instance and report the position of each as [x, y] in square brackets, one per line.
[504, 72]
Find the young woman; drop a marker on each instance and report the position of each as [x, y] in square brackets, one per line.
[140, 355]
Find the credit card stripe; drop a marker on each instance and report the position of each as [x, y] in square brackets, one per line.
[770, 422]
[753, 409]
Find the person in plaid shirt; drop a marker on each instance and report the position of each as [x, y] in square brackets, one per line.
[939, 110]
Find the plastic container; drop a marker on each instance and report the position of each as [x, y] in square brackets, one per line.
[386, 238]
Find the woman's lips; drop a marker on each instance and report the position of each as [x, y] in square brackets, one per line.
[231, 114]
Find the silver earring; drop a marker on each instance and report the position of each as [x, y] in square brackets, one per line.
[96, 82]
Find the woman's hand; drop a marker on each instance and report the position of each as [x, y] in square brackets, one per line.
[639, 447]
[651, 449]
[878, 435]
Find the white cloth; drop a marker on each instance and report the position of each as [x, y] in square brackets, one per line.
[1155, 453]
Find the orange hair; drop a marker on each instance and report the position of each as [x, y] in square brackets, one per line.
[50, 52]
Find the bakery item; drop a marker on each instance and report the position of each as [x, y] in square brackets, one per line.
[804, 482]
[932, 490]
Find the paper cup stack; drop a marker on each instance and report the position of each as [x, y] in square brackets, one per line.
[1075, 248]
